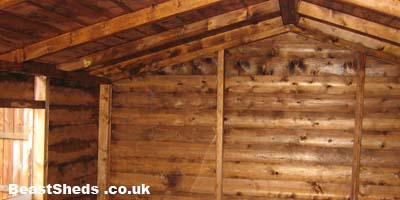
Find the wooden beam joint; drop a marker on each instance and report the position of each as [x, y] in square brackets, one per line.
[289, 11]
[48, 70]
[18, 103]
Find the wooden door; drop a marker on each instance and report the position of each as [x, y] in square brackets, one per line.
[16, 128]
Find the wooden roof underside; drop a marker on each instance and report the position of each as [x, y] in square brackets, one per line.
[122, 38]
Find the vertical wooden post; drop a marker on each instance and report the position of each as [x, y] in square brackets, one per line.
[220, 124]
[40, 135]
[359, 114]
[103, 164]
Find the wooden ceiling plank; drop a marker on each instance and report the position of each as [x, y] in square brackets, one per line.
[43, 69]
[167, 57]
[289, 11]
[350, 22]
[105, 28]
[390, 7]
[344, 38]
[35, 13]
[169, 36]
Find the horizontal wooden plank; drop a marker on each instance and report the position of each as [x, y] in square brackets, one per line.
[82, 181]
[164, 166]
[66, 172]
[386, 89]
[379, 158]
[285, 189]
[381, 123]
[183, 134]
[309, 102]
[163, 117]
[248, 170]
[291, 102]
[379, 175]
[289, 120]
[12, 87]
[176, 183]
[372, 192]
[242, 187]
[153, 84]
[249, 153]
[61, 95]
[176, 100]
[380, 67]
[72, 152]
[284, 136]
[288, 172]
[291, 84]
[16, 103]
[14, 136]
[79, 132]
[71, 116]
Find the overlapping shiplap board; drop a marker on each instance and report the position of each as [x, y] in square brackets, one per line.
[13, 164]
[72, 140]
[163, 132]
[289, 120]
[289, 125]
[380, 155]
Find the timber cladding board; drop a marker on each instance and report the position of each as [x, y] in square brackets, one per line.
[163, 131]
[289, 124]
[72, 140]
[380, 180]
[10, 82]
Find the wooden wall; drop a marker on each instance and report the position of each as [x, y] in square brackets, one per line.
[289, 124]
[380, 157]
[289, 120]
[72, 140]
[72, 150]
[16, 86]
[163, 132]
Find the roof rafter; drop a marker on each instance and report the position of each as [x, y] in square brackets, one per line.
[347, 39]
[391, 7]
[167, 57]
[35, 68]
[359, 25]
[186, 32]
[105, 28]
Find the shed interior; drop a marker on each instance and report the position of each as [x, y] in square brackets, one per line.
[207, 99]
